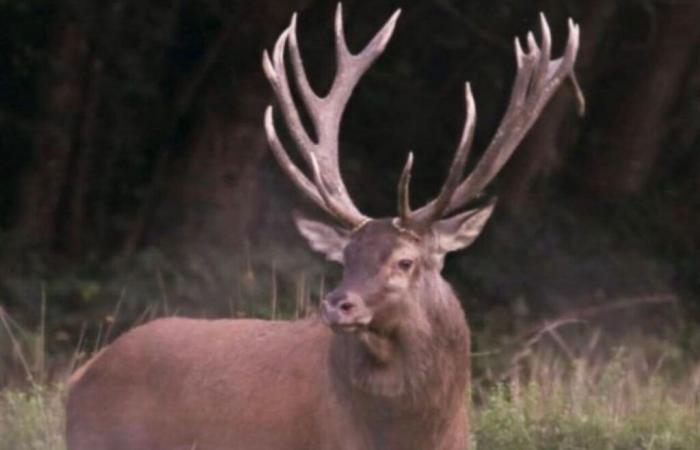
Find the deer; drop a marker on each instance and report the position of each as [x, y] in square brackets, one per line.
[385, 363]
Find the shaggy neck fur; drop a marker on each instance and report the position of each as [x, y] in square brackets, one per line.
[420, 364]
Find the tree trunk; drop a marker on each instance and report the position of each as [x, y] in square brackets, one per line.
[61, 95]
[74, 225]
[217, 189]
[220, 192]
[638, 131]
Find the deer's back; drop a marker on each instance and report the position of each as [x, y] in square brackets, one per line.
[183, 383]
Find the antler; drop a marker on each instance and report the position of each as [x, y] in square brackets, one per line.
[537, 79]
[327, 189]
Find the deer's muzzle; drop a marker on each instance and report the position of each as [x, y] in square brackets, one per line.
[345, 311]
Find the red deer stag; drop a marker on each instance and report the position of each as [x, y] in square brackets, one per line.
[385, 366]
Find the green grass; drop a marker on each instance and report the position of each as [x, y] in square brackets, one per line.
[621, 403]
[546, 418]
[32, 419]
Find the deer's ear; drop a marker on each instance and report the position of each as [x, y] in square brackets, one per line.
[461, 231]
[326, 239]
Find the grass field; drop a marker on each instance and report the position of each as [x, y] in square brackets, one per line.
[606, 415]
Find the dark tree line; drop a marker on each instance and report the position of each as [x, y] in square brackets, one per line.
[127, 126]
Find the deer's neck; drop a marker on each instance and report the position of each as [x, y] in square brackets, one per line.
[421, 365]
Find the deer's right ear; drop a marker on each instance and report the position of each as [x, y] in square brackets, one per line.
[326, 239]
[461, 231]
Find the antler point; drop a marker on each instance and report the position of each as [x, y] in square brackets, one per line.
[268, 67]
[270, 132]
[532, 42]
[519, 53]
[339, 12]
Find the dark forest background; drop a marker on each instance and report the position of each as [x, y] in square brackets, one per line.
[135, 172]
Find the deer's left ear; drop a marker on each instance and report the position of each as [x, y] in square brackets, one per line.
[326, 239]
[461, 231]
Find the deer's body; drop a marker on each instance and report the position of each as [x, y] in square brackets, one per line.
[387, 365]
[259, 385]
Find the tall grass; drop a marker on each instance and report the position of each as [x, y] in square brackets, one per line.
[31, 415]
[610, 411]
[32, 418]
[643, 396]
[601, 406]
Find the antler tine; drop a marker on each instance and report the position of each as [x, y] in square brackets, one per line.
[404, 194]
[331, 205]
[292, 171]
[277, 76]
[312, 102]
[435, 209]
[546, 51]
[537, 78]
[361, 61]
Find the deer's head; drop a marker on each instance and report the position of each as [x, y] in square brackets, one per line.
[389, 262]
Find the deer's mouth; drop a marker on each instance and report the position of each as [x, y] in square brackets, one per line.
[356, 325]
[349, 327]
[366, 327]
[345, 320]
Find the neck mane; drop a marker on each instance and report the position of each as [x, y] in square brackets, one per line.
[419, 365]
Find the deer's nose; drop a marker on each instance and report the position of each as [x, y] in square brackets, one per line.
[346, 306]
[344, 309]
[343, 300]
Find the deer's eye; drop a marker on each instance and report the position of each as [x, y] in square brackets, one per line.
[405, 264]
